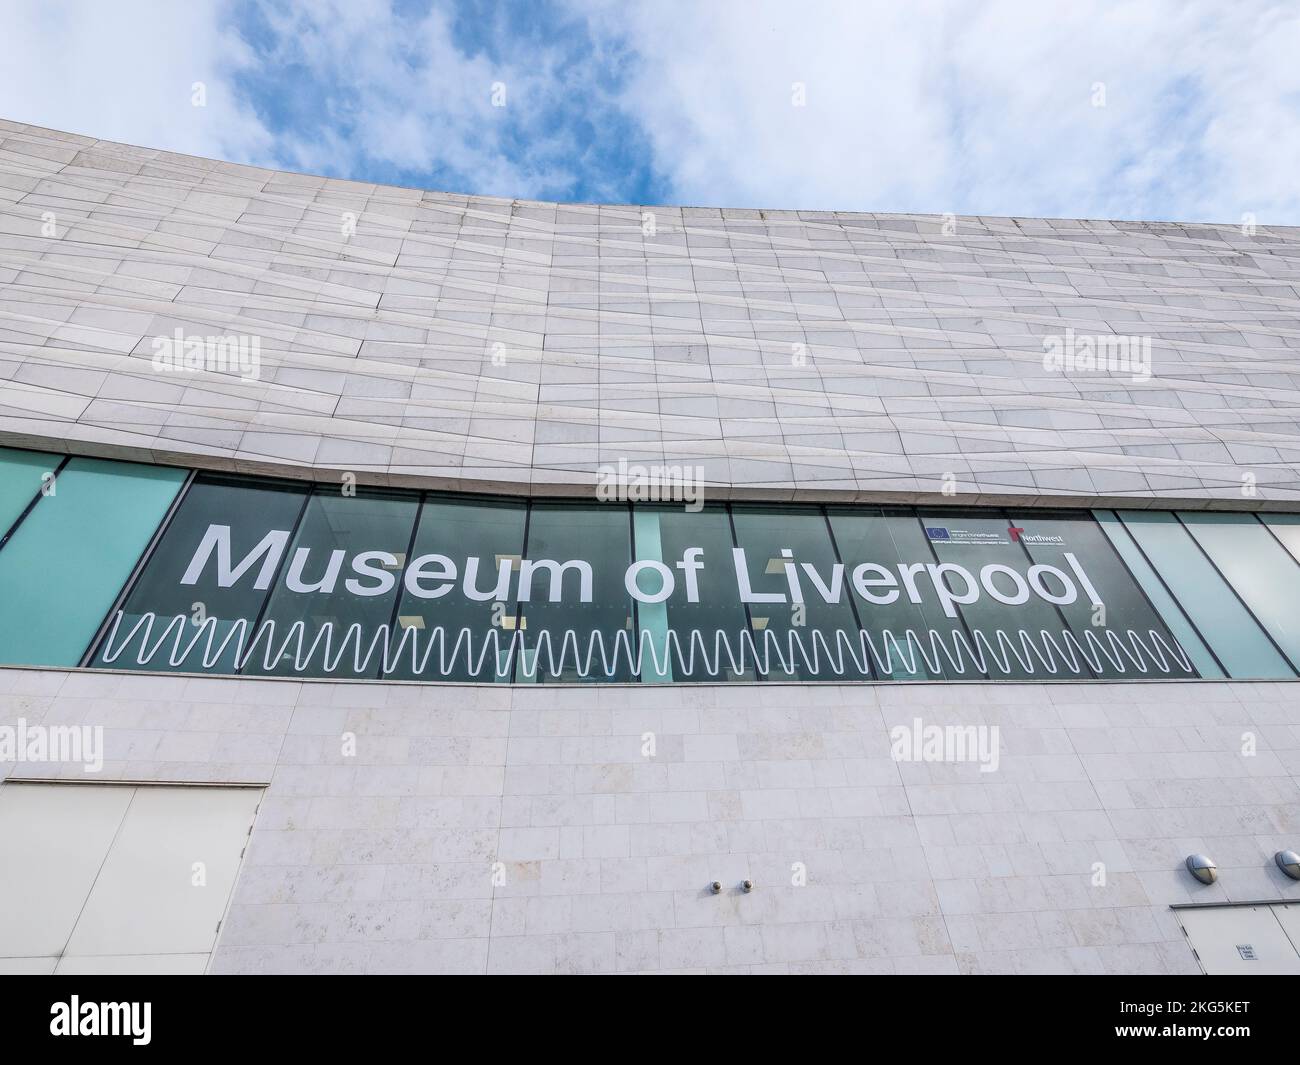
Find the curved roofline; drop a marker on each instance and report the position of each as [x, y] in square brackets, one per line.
[762, 211]
[795, 356]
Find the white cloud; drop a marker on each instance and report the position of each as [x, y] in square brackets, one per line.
[714, 89]
[399, 90]
[927, 106]
[343, 87]
[975, 107]
[125, 72]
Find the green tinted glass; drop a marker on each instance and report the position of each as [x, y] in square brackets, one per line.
[196, 606]
[1007, 633]
[577, 617]
[1286, 527]
[254, 575]
[1165, 604]
[457, 618]
[22, 473]
[330, 611]
[696, 549]
[788, 554]
[873, 543]
[1114, 626]
[1259, 568]
[1237, 641]
[72, 554]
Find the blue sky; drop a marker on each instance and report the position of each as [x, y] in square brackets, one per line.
[1163, 109]
[410, 94]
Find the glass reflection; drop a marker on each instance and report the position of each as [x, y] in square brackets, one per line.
[1113, 620]
[788, 555]
[391, 584]
[329, 612]
[1005, 613]
[576, 553]
[1259, 568]
[430, 640]
[873, 543]
[701, 631]
[204, 621]
[1237, 640]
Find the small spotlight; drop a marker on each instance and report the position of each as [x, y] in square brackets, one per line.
[716, 887]
[748, 885]
[1202, 868]
[1289, 863]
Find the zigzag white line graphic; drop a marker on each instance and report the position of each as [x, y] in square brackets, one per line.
[927, 652]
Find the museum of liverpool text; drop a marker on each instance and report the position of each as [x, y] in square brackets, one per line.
[256, 576]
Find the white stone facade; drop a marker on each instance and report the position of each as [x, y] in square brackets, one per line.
[468, 342]
[385, 862]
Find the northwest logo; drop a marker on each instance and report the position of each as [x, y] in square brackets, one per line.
[1019, 536]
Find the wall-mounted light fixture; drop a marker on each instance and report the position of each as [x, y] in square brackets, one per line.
[1289, 863]
[1202, 868]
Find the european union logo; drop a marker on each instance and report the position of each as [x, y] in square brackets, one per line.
[937, 534]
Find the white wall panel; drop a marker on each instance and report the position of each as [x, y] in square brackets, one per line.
[54, 841]
[102, 878]
[144, 900]
[27, 966]
[1240, 941]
